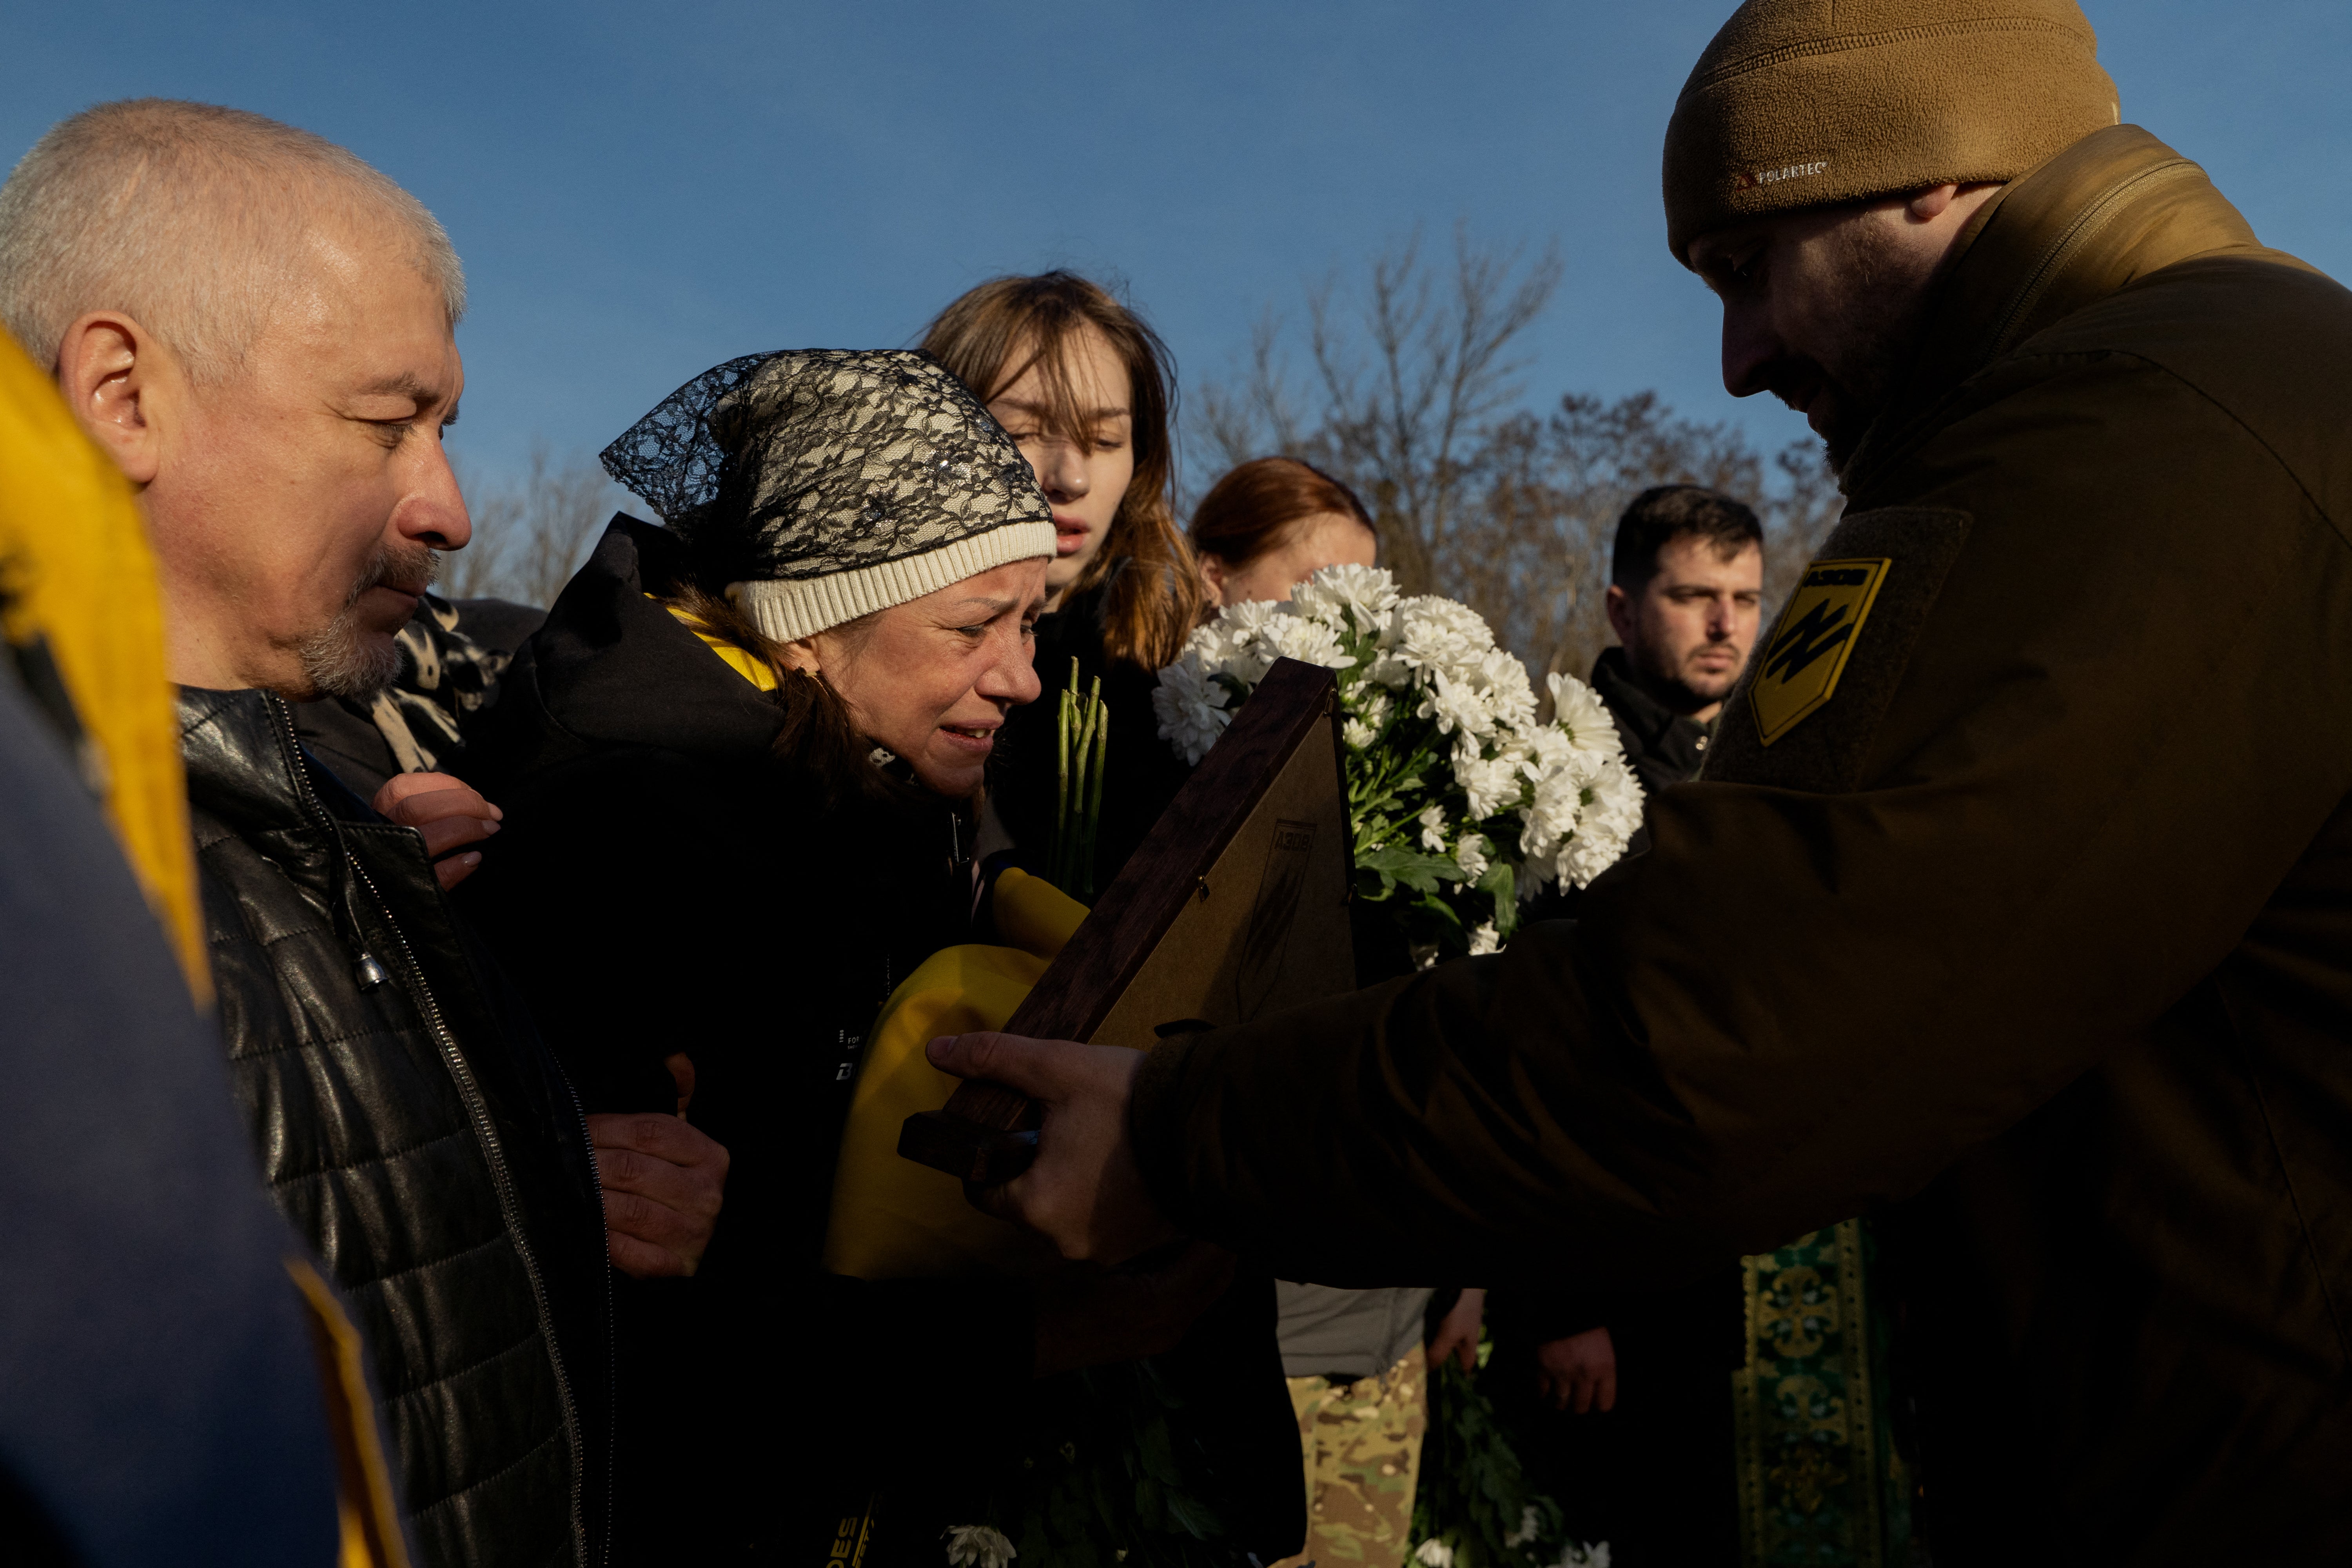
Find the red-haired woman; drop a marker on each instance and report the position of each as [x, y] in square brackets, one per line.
[1358, 1366]
[1085, 387]
[1272, 523]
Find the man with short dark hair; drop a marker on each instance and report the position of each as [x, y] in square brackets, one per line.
[2015, 903]
[1655, 1477]
[1686, 581]
[258, 329]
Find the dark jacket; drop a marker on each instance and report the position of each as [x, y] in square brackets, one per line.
[664, 883]
[1699, 1321]
[2039, 928]
[410, 1125]
[1141, 773]
[159, 1400]
[1662, 747]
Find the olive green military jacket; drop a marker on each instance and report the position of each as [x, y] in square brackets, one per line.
[2031, 929]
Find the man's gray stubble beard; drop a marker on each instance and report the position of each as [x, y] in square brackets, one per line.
[337, 658]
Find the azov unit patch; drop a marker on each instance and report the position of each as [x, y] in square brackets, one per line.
[1798, 669]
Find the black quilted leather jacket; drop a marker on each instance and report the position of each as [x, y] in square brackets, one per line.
[412, 1125]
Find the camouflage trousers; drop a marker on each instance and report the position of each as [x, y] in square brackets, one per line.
[1362, 1447]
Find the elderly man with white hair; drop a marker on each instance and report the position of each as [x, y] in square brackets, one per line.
[259, 328]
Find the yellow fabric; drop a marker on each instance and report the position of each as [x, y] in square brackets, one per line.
[78, 576]
[892, 1218]
[1033, 915]
[740, 660]
[367, 1515]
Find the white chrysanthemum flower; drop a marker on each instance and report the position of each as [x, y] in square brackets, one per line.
[1527, 1531]
[1490, 784]
[978, 1546]
[1577, 709]
[1365, 593]
[1309, 640]
[1592, 1554]
[1605, 826]
[1534, 877]
[1434, 634]
[1471, 855]
[1414, 666]
[1249, 616]
[1190, 707]
[1457, 705]
[1546, 749]
[1433, 1554]
[1483, 940]
[1235, 643]
[1555, 809]
[1509, 695]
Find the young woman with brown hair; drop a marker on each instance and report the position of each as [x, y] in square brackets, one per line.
[1272, 523]
[1086, 390]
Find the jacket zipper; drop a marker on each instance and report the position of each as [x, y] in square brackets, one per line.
[479, 1112]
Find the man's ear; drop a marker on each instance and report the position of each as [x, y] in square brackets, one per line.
[1619, 606]
[1929, 204]
[117, 378]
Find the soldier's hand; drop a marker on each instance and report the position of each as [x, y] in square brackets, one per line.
[1085, 1192]
[449, 813]
[663, 1181]
[1579, 1373]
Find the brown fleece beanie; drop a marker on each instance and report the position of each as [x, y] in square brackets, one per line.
[1802, 103]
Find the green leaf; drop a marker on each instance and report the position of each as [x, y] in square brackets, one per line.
[1414, 870]
[1443, 909]
[1501, 884]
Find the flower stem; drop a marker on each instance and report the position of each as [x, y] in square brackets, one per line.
[1055, 848]
[1088, 708]
[1095, 789]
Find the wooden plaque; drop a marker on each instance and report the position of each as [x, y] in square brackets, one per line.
[1236, 905]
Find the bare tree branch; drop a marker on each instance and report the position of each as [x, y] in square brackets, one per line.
[531, 535]
[1511, 512]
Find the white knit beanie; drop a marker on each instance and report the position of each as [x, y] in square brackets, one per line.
[827, 484]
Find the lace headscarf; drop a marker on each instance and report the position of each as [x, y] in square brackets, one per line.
[820, 485]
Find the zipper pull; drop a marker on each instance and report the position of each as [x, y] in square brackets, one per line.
[369, 972]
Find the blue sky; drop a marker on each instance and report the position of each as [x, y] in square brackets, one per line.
[640, 191]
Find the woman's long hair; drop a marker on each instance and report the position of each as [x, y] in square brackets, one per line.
[988, 338]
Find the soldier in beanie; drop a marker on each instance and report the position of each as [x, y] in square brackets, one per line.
[2015, 902]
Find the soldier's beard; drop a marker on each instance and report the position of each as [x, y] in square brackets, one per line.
[343, 658]
[1862, 351]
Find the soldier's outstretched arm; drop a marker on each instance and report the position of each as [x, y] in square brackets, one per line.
[2074, 751]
